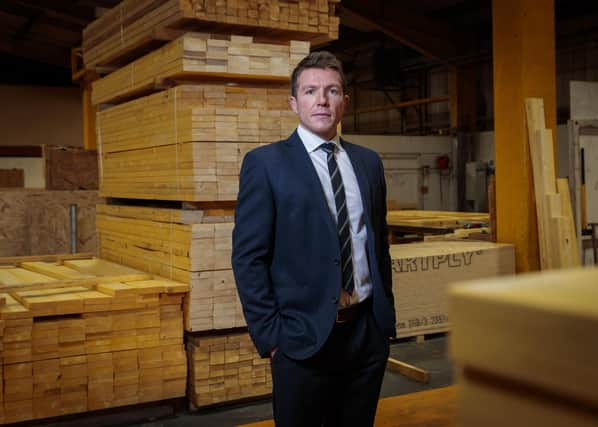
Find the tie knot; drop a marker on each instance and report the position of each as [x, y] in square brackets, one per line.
[329, 147]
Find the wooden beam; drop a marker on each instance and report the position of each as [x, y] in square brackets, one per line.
[400, 105]
[408, 370]
[429, 37]
[524, 66]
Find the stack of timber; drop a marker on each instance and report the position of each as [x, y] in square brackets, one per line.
[202, 56]
[190, 246]
[224, 368]
[526, 349]
[187, 143]
[223, 91]
[434, 219]
[35, 222]
[81, 334]
[133, 26]
[421, 274]
[556, 228]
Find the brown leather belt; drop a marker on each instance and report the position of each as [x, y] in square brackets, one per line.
[353, 312]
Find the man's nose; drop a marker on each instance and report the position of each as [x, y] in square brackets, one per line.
[321, 98]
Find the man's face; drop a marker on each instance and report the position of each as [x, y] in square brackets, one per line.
[320, 102]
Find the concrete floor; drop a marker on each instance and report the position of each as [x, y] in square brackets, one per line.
[430, 355]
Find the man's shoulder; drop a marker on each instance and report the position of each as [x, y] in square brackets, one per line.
[364, 152]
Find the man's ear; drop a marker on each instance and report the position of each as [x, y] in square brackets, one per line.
[293, 103]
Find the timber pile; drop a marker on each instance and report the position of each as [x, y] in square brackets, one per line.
[187, 143]
[421, 274]
[224, 368]
[438, 219]
[85, 334]
[557, 236]
[526, 349]
[227, 94]
[131, 27]
[189, 246]
[199, 55]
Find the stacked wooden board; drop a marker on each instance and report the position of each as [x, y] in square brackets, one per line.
[85, 334]
[422, 272]
[557, 237]
[200, 55]
[431, 219]
[526, 349]
[226, 367]
[187, 143]
[133, 25]
[189, 246]
[224, 88]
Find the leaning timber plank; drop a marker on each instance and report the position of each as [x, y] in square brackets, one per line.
[571, 252]
[54, 270]
[410, 371]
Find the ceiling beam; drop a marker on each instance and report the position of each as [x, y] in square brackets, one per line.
[36, 52]
[429, 37]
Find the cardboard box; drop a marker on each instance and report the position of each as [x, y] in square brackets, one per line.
[421, 273]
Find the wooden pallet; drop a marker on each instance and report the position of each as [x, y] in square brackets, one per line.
[225, 368]
[187, 143]
[200, 56]
[130, 28]
[188, 246]
[85, 334]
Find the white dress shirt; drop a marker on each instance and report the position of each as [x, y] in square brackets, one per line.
[361, 270]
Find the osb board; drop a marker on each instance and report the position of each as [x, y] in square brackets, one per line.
[422, 272]
[70, 168]
[10, 178]
[14, 233]
[35, 222]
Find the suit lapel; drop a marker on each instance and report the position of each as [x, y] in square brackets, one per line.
[361, 172]
[307, 173]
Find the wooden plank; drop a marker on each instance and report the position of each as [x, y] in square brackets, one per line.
[12, 178]
[69, 168]
[523, 313]
[410, 371]
[571, 252]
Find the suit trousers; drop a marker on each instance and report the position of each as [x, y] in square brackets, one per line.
[337, 387]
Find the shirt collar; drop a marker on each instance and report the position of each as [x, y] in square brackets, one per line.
[312, 142]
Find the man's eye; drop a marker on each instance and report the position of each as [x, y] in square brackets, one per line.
[309, 91]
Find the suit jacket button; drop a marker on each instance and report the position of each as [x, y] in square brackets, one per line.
[334, 300]
[337, 262]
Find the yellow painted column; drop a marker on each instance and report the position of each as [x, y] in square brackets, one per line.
[524, 66]
[89, 113]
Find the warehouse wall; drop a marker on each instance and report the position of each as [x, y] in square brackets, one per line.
[410, 166]
[35, 115]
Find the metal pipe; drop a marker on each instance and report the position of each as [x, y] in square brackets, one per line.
[73, 209]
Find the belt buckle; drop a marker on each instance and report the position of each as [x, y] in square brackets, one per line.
[338, 317]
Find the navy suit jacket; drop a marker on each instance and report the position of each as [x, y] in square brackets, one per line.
[286, 255]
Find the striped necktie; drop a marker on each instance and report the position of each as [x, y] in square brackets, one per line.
[342, 217]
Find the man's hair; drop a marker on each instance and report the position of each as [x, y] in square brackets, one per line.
[321, 60]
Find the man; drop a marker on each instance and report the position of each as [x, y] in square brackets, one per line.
[311, 261]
